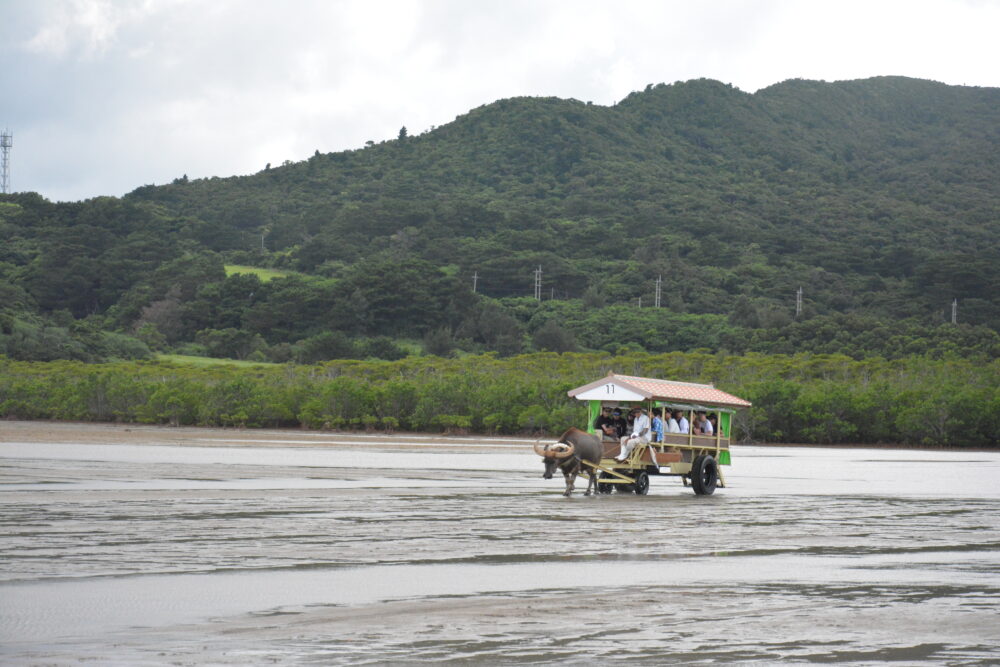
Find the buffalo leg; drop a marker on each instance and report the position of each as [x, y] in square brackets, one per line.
[570, 478]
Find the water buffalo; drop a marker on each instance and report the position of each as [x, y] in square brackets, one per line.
[567, 453]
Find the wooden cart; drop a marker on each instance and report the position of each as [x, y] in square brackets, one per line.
[696, 459]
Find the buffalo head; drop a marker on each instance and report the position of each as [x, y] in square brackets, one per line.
[553, 454]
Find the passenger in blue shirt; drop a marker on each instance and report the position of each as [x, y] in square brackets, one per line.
[657, 428]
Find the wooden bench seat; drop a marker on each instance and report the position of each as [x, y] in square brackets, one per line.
[611, 450]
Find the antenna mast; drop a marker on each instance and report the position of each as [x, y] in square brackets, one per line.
[6, 141]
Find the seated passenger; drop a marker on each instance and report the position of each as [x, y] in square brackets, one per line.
[682, 423]
[640, 433]
[657, 428]
[672, 425]
[701, 425]
[619, 422]
[605, 425]
[714, 421]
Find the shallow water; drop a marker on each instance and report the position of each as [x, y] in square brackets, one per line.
[356, 549]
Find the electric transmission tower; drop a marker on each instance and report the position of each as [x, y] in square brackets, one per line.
[538, 283]
[6, 141]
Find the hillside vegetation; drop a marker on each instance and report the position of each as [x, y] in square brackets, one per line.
[878, 197]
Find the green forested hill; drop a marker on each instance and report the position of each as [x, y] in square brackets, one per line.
[879, 197]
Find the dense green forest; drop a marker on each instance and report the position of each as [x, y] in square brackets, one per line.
[878, 197]
[800, 398]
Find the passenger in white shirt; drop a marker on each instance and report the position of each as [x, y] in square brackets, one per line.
[672, 425]
[640, 433]
[682, 423]
[702, 426]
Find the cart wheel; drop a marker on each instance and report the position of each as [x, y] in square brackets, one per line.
[704, 475]
[641, 483]
[604, 487]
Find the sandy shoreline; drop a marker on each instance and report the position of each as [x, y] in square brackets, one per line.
[195, 436]
[200, 436]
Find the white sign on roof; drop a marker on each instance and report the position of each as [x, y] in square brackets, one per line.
[609, 391]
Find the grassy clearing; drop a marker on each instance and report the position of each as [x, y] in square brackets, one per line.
[263, 274]
[208, 361]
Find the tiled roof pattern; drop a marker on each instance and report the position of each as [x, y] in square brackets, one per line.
[681, 391]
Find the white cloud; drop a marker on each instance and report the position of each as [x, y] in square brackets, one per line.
[85, 27]
[106, 95]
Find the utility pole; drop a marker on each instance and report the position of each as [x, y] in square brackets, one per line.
[552, 295]
[6, 141]
[475, 279]
[954, 311]
[798, 302]
[538, 283]
[659, 283]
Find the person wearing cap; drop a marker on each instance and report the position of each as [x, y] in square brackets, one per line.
[619, 422]
[640, 433]
[605, 425]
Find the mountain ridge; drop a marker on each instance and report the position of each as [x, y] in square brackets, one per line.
[877, 196]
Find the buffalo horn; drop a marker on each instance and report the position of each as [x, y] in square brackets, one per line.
[540, 449]
[564, 449]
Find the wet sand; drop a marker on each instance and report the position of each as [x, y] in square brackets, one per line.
[146, 545]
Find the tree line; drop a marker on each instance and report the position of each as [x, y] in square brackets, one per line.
[803, 398]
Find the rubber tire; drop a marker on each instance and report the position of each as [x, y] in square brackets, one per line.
[641, 485]
[604, 487]
[704, 475]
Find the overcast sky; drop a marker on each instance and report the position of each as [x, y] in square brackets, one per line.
[103, 96]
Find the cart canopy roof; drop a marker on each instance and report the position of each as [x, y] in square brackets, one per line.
[616, 387]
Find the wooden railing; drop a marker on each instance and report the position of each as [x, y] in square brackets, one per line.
[700, 441]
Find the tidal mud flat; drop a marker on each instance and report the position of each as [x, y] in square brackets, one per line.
[144, 545]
